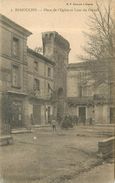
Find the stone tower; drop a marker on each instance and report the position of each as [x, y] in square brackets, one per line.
[57, 49]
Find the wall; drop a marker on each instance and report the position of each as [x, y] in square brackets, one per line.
[101, 110]
[41, 74]
[72, 84]
[7, 59]
[10, 30]
[102, 113]
[76, 78]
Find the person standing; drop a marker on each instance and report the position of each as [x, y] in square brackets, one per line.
[53, 124]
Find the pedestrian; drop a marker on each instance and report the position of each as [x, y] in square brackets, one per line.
[32, 119]
[76, 120]
[53, 124]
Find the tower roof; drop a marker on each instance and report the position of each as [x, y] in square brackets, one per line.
[57, 37]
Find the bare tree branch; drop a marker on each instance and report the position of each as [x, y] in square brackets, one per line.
[100, 48]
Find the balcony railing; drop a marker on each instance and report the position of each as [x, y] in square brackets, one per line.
[80, 100]
[89, 100]
[38, 95]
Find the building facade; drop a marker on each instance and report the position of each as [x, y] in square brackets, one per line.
[40, 87]
[13, 73]
[85, 99]
[33, 86]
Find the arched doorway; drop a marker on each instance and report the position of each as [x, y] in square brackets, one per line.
[60, 104]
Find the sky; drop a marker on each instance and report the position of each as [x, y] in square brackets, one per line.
[68, 17]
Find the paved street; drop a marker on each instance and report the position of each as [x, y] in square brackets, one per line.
[44, 156]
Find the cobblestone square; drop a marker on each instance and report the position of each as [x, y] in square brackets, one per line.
[44, 156]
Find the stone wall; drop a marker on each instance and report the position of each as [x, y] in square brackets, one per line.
[106, 148]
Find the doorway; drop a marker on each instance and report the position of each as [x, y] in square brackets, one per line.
[112, 115]
[36, 114]
[60, 104]
[17, 115]
[49, 114]
[82, 115]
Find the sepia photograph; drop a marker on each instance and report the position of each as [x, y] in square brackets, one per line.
[57, 91]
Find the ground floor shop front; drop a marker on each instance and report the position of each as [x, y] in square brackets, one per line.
[92, 114]
[21, 111]
[40, 112]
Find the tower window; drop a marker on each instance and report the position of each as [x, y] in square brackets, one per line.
[46, 35]
[51, 36]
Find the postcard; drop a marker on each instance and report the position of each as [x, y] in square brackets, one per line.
[57, 91]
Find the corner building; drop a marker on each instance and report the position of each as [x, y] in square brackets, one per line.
[13, 75]
[32, 86]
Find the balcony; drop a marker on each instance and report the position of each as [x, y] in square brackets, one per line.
[89, 100]
[101, 99]
[36, 94]
[80, 100]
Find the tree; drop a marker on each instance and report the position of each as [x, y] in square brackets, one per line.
[100, 47]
